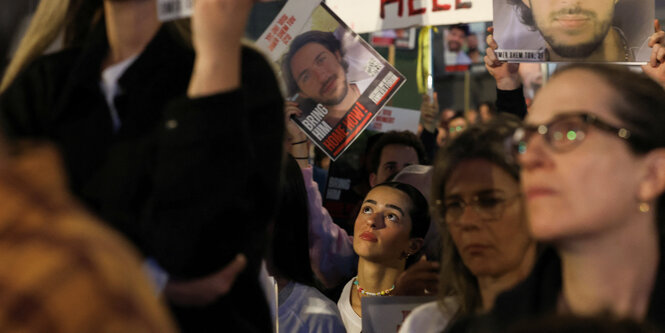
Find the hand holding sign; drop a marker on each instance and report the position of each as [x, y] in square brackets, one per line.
[655, 68]
[506, 74]
[421, 279]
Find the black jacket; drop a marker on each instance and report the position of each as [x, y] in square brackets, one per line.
[537, 297]
[191, 182]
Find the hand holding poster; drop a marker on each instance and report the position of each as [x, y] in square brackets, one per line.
[336, 80]
[564, 31]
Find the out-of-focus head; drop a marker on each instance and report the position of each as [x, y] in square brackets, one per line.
[456, 37]
[472, 116]
[592, 152]
[457, 124]
[391, 224]
[486, 110]
[472, 41]
[480, 209]
[392, 152]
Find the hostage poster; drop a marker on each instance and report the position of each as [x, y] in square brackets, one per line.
[573, 31]
[335, 78]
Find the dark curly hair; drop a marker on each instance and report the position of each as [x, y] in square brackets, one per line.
[523, 13]
[405, 138]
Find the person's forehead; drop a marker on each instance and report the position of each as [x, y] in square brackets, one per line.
[458, 120]
[398, 152]
[386, 195]
[574, 90]
[307, 52]
[474, 175]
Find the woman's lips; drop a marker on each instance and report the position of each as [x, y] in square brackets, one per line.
[368, 236]
[475, 248]
[539, 192]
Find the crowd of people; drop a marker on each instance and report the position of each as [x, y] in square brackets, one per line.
[154, 181]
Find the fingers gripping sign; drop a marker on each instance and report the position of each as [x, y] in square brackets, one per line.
[655, 68]
[505, 74]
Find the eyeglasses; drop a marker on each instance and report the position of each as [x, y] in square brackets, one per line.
[454, 129]
[488, 206]
[565, 132]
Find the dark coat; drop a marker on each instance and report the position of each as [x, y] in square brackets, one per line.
[538, 295]
[191, 182]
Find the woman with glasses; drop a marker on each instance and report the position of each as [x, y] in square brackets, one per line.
[593, 175]
[486, 245]
[388, 235]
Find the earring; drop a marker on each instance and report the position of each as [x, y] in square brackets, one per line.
[644, 207]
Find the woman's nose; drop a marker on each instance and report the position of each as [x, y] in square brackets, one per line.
[375, 220]
[535, 154]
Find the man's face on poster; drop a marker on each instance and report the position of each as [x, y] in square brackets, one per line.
[319, 74]
[472, 41]
[572, 28]
[456, 39]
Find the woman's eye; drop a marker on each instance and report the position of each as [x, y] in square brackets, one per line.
[489, 201]
[453, 205]
[392, 217]
[367, 210]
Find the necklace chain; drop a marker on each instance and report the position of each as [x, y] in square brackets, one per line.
[367, 293]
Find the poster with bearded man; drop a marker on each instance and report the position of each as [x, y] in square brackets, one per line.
[573, 30]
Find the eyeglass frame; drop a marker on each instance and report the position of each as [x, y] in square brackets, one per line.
[523, 134]
[440, 204]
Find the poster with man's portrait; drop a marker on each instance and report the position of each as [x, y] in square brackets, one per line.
[614, 31]
[334, 78]
[464, 46]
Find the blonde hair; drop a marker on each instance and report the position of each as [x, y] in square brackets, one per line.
[73, 18]
[48, 21]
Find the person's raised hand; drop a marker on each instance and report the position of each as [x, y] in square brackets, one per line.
[506, 74]
[655, 68]
[421, 279]
[294, 133]
[217, 30]
[429, 110]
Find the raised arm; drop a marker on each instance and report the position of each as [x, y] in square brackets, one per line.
[509, 95]
[655, 68]
[330, 247]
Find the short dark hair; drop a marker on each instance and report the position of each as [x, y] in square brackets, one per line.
[404, 138]
[523, 13]
[463, 27]
[327, 39]
[458, 114]
[289, 250]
